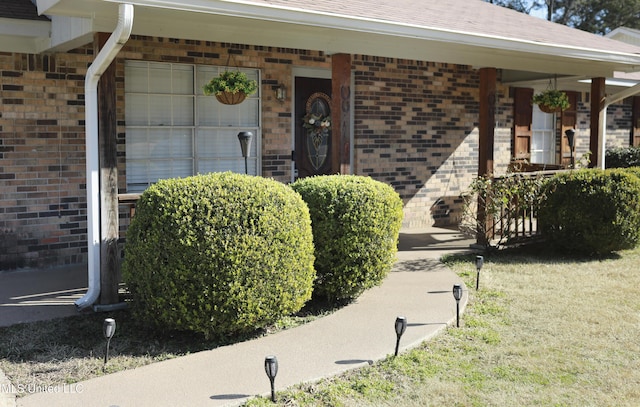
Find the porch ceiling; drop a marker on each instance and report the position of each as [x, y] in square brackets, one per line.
[617, 83]
[353, 31]
[19, 35]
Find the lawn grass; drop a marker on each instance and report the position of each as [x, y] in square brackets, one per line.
[543, 330]
[69, 350]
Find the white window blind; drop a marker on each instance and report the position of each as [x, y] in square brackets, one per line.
[543, 139]
[174, 130]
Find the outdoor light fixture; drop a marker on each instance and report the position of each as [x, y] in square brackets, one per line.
[271, 368]
[479, 263]
[108, 329]
[245, 145]
[570, 133]
[281, 93]
[401, 326]
[457, 294]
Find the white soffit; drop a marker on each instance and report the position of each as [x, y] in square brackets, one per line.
[70, 32]
[28, 36]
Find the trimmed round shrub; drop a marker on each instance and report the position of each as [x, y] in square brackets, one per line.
[591, 211]
[356, 221]
[218, 254]
[633, 171]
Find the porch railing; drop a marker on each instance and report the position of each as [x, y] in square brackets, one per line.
[511, 203]
[127, 208]
[514, 222]
[511, 217]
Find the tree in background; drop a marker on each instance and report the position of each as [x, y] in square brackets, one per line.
[595, 16]
[523, 6]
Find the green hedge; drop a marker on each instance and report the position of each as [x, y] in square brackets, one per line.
[356, 221]
[633, 171]
[622, 157]
[591, 211]
[218, 254]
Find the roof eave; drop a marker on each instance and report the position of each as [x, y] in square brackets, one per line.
[245, 22]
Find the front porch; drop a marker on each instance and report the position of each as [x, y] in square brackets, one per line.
[418, 101]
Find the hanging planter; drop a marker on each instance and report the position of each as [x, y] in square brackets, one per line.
[231, 87]
[552, 101]
[229, 98]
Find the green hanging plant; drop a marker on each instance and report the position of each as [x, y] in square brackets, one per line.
[231, 87]
[552, 100]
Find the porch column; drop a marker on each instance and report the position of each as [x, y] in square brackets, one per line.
[486, 138]
[107, 132]
[635, 123]
[341, 113]
[597, 123]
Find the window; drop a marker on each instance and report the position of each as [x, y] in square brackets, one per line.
[174, 130]
[543, 140]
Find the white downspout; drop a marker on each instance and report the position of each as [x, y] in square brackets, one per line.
[608, 101]
[106, 55]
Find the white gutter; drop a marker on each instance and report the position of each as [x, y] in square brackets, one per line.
[106, 55]
[632, 91]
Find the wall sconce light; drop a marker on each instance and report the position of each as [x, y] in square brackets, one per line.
[281, 93]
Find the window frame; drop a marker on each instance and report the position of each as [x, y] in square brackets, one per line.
[541, 134]
[197, 128]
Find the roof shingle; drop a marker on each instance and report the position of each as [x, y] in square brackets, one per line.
[20, 10]
[474, 17]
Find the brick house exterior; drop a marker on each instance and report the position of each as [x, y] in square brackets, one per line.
[43, 202]
[415, 126]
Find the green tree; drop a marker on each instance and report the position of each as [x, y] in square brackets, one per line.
[595, 16]
[523, 6]
[603, 16]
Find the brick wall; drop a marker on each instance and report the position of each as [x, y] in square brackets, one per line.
[42, 155]
[42, 199]
[416, 129]
[276, 66]
[618, 127]
[619, 124]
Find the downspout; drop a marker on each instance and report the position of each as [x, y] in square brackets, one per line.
[106, 55]
[632, 91]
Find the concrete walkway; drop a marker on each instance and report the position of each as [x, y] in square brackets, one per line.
[419, 288]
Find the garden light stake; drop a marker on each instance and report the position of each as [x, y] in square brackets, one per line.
[479, 263]
[457, 294]
[271, 368]
[401, 326]
[108, 329]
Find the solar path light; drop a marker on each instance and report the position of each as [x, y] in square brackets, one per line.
[401, 326]
[271, 368]
[570, 133]
[245, 145]
[479, 263]
[108, 329]
[457, 294]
